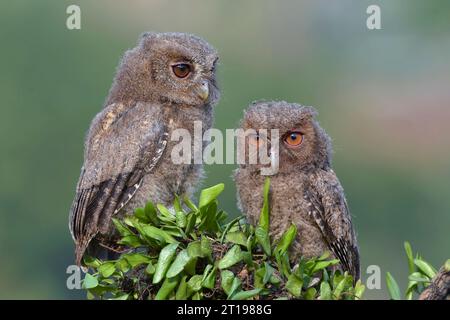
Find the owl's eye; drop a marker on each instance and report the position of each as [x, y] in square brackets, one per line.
[181, 70]
[293, 139]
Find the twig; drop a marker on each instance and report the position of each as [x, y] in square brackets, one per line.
[439, 289]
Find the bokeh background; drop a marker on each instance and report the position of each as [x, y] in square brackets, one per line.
[383, 95]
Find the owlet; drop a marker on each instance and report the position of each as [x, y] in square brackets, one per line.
[166, 82]
[305, 190]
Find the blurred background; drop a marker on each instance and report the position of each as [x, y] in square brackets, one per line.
[383, 95]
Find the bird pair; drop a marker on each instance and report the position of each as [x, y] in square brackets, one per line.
[168, 82]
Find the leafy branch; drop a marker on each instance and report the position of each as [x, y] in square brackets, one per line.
[422, 275]
[191, 252]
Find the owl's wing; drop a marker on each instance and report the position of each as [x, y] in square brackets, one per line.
[119, 150]
[329, 209]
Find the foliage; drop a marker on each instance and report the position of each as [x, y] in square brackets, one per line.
[420, 276]
[190, 252]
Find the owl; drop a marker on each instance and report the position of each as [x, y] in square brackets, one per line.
[305, 191]
[167, 82]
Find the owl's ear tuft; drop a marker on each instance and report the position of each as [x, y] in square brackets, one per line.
[308, 112]
[148, 35]
[147, 39]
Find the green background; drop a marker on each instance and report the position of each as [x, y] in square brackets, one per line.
[382, 95]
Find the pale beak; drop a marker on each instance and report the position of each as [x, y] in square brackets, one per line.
[203, 90]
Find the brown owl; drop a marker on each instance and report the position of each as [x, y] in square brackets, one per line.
[305, 190]
[165, 83]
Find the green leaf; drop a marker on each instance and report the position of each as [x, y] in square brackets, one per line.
[90, 281]
[157, 234]
[208, 222]
[91, 262]
[167, 288]
[135, 259]
[324, 256]
[258, 277]
[206, 247]
[283, 263]
[190, 204]
[245, 295]
[359, 289]
[426, 268]
[140, 214]
[340, 287]
[178, 265]
[394, 290]
[233, 256]
[264, 216]
[247, 258]
[237, 237]
[412, 287]
[268, 272]
[173, 231]
[107, 269]
[130, 221]
[275, 280]
[209, 280]
[221, 217]
[131, 241]
[90, 295]
[286, 239]
[226, 280]
[181, 219]
[197, 296]
[294, 285]
[194, 249]
[410, 256]
[150, 212]
[228, 226]
[177, 204]
[235, 286]
[310, 294]
[210, 194]
[195, 282]
[121, 228]
[418, 277]
[150, 269]
[320, 265]
[325, 291]
[123, 265]
[182, 291]
[165, 258]
[165, 212]
[191, 266]
[262, 237]
[190, 224]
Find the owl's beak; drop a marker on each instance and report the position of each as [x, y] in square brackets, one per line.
[203, 90]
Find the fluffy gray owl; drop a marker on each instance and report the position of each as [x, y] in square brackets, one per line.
[305, 191]
[166, 82]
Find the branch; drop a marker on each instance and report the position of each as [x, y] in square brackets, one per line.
[439, 289]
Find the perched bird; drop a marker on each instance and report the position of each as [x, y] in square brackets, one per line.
[305, 191]
[165, 83]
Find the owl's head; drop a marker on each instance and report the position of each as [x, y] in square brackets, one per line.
[303, 144]
[168, 67]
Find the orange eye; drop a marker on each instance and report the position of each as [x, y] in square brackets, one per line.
[181, 70]
[293, 139]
